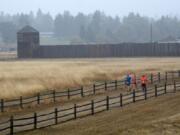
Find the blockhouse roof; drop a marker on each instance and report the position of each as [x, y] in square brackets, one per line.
[28, 29]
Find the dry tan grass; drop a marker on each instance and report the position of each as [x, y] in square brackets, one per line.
[158, 116]
[25, 77]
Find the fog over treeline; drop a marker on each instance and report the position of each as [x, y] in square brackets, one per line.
[91, 28]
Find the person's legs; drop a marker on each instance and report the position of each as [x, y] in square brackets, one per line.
[134, 86]
[128, 87]
[143, 87]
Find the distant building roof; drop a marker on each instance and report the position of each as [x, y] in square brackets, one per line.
[169, 39]
[28, 29]
[46, 34]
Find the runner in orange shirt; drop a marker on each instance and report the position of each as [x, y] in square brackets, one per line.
[144, 82]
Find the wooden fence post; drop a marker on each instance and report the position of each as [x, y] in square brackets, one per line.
[121, 100]
[2, 105]
[134, 96]
[116, 84]
[54, 96]
[156, 91]
[35, 120]
[56, 115]
[151, 78]
[145, 94]
[105, 86]
[174, 86]
[21, 102]
[172, 75]
[75, 111]
[107, 102]
[92, 107]
[165, 88]
[159, 77]
[82, 92]
[94, 89]
[68, 94]
[11, 125]
[38, 98]
[166, 76]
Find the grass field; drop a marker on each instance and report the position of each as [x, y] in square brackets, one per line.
[26, 77]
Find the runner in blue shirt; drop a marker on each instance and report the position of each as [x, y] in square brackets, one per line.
[128, 82]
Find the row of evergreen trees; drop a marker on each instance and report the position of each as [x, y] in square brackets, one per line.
[92, 28]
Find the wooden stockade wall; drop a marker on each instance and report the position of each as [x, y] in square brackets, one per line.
[55, 95]
[60, 115]
[108, 50]
[29, 47]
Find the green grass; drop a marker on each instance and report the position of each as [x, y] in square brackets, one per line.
[52, 41]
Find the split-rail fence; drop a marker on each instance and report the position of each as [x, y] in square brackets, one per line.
[62, 114]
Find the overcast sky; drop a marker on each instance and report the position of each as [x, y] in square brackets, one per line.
[153, 8]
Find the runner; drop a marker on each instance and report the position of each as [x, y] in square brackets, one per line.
[128, 82]
[134, 83]
[144, 82]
